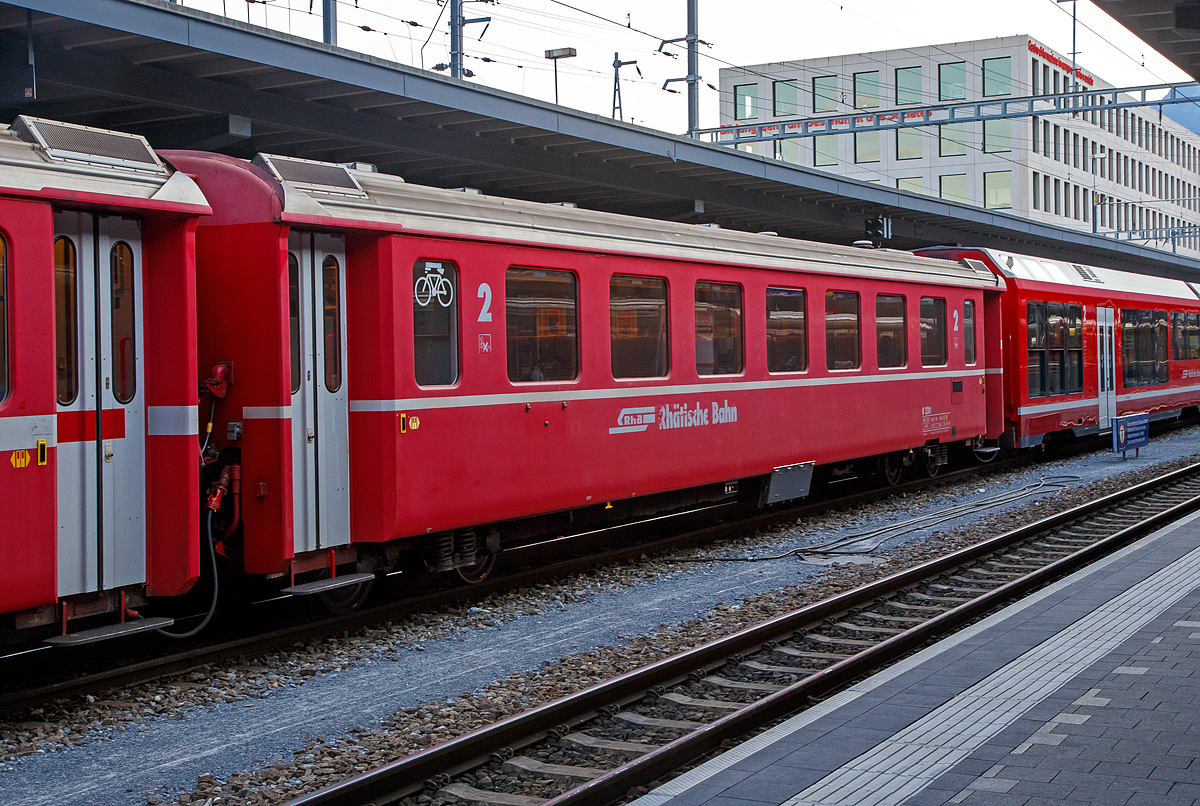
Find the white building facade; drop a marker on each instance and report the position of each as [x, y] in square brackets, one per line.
[1114, 170]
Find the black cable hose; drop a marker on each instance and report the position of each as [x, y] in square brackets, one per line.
[212, 608]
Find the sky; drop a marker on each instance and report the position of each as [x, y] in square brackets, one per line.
[415, 32]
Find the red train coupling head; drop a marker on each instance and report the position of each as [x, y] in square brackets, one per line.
[216, 493]
[218, 382]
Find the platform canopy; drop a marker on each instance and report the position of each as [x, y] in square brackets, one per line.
[1169, 26]
[189, 79]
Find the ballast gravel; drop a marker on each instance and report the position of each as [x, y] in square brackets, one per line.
[290, 722]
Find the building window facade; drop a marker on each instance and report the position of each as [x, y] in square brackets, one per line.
[997, 190]
[910, 144]
[953, 188]
[786, 98]
[952, 81]
[745, 101]
[908, 86]
[866, 90]
[866, 147]
[997, 76]
[825, 94]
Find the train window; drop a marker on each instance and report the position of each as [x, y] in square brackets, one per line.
[842, 347]
[933, 332]
[891, 331]
[294, 318]
[718, 329]
[1056, 343]
[1161, 350]
[331, 306]
[1144, 347]
[787, 330]
[435, 323]
[637, 309]
[124, 347]
[66, 321]
[969, 332]
[1185, 336]
[1055, 348]
[3, 319]
[1074, 360]
[1035, 328]
[540, 324]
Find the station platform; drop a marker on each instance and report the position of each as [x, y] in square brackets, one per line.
[1087, 692]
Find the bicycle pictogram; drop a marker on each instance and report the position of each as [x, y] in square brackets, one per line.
[433, 286]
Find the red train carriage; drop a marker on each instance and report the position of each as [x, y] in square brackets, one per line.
[1083, 344]
[98, 470]
[413, 364]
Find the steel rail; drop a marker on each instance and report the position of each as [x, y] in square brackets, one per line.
[389, 783]
[236, 649]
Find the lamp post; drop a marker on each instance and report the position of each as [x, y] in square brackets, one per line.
[554, 56]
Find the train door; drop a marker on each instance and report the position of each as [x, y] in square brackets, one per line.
[320, 402]
[1106, 364]
[101, 410]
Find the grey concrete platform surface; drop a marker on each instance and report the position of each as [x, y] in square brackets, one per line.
[1084, 693]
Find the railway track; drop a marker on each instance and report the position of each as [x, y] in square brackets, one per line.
[594, 747]
[530, 564]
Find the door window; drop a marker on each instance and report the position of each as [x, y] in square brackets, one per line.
[294, 319]
[66, 322]
[3, 319]
[124, 350]
[969, 332]
[332, 308]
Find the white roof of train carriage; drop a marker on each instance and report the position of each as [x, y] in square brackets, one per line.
[1025, 267]
[39, 155]
[380, 199]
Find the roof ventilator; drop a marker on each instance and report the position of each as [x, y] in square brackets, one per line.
[68, 142]
[977, 266]
[1087, 274]
[468, 191]
[571, 205]
[320, 177]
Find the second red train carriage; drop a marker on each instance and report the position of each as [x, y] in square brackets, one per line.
[1083, 344]
[413, 364]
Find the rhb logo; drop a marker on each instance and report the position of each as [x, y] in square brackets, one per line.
[631, 420]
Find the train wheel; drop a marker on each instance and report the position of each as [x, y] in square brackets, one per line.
[482, 569]
[931, 466]
[341, 601]
[893, 468]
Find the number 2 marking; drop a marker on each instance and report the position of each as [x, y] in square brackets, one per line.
[485, 294]
[955, 320]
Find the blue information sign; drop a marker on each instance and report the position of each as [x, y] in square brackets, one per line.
[1130, 432]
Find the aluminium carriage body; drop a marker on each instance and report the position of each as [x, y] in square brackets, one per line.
[98, 459]
[1083, 344]
[413, 363]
